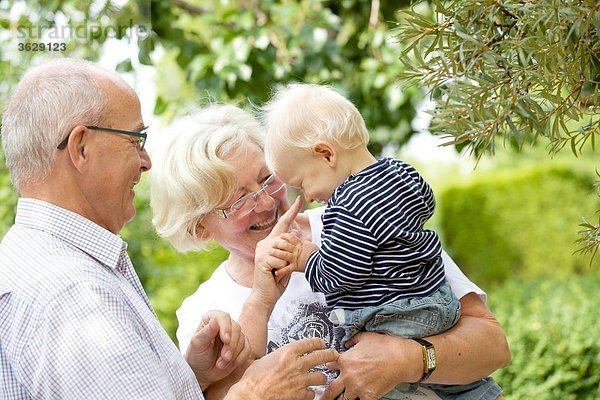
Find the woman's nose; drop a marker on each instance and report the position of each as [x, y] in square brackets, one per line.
[264, 201]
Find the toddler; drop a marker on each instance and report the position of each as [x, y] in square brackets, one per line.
[379, 269]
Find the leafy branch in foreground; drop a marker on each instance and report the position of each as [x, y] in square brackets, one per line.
[589, 240]
[516, 70]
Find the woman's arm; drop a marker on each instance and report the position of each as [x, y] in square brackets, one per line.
[266, 288]
[254, 318]
[471, 350]
[474, 348]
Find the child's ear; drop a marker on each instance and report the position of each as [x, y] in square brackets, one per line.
[325, 150]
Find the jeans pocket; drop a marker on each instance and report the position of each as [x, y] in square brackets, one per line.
[405, 323]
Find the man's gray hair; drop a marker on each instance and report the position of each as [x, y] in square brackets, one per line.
[49, 101]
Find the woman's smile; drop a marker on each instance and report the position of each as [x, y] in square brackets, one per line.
[268, 224]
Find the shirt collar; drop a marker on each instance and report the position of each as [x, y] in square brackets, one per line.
[72, 228]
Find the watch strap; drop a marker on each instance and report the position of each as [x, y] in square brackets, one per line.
[429, 361]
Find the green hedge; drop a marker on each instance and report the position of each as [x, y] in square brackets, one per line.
[523, 221]
[552, 328]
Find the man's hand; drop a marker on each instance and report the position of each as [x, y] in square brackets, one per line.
[284, 374]
[217, 348]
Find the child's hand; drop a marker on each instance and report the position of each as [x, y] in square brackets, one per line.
[302, 251]
[306, 250]
[274, 253]
[288, 249]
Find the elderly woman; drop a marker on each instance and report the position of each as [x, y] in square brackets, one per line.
[210, 182]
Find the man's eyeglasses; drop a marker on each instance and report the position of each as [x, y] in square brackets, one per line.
[246, 204]
[139, 143]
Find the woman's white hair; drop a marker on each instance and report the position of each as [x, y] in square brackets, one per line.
[298, 115]
[49, 101]
[191, 174]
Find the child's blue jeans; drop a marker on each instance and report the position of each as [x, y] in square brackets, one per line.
[410, 318]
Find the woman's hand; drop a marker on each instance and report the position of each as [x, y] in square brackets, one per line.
[266, 288]
[374, 365]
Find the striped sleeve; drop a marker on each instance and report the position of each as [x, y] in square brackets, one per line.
[345, 260]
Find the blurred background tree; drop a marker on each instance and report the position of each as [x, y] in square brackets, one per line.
[240, 50]
[502, 76]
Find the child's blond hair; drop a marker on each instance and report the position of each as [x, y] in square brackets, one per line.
[298, 115]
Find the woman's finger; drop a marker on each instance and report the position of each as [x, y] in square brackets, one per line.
[284, 223]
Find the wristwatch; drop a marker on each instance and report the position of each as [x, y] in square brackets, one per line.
[428, 358]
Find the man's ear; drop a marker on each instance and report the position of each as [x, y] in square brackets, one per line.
[326, 151]
[77, 147]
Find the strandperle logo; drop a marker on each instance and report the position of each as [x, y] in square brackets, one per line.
[85, 30]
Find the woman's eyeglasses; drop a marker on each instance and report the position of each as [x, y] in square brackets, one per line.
[246, 204]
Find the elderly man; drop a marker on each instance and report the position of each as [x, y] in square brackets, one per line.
[75, 321]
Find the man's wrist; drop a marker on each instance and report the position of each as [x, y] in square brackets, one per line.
[236, 392]
[202, 382]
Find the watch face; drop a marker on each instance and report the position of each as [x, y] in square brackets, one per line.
[430, 358]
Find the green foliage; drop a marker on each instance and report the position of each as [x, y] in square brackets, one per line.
[551, 326]
[521, 221]
[8, 199]
[239, 51]
[514, 69]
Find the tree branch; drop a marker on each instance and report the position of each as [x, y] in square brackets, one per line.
[190, 8]
[374, 14]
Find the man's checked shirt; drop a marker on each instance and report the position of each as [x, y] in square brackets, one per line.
[75, 322]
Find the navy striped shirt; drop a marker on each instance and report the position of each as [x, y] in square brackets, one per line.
[374, 249]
